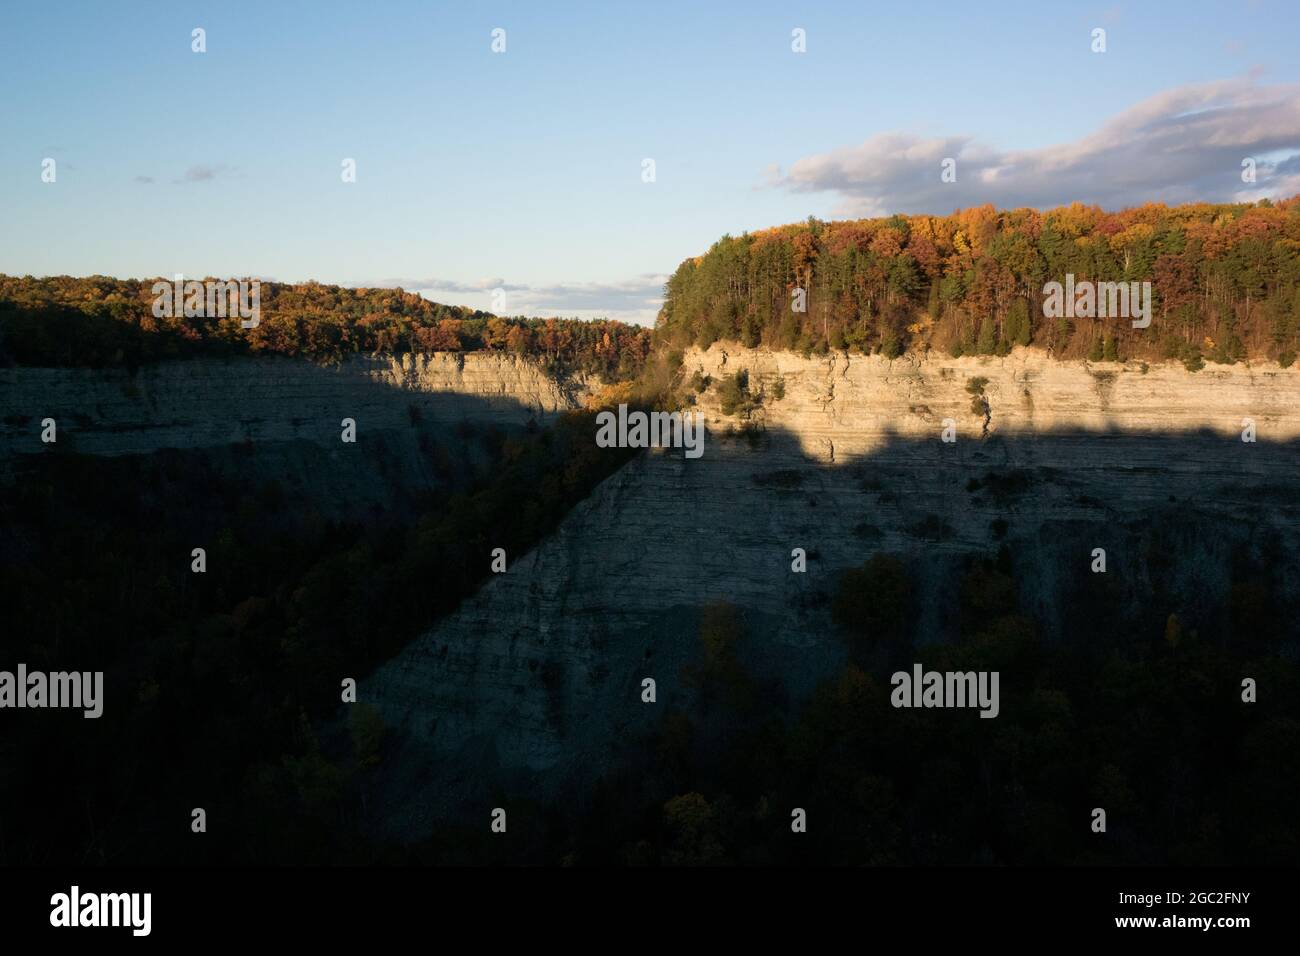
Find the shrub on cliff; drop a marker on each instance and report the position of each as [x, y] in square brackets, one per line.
[733, 393]
[871, 605]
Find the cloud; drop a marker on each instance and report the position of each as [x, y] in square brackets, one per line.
[1182, 145]
[636, 299]
[447, 285]
[638, 293]
[203, 173]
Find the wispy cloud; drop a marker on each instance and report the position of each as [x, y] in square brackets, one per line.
[448, 285]
[204, 173]
[636, 299]
[638, 293]
[1182, 145]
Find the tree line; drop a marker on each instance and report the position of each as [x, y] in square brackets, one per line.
[1225, 282]
[101, 321]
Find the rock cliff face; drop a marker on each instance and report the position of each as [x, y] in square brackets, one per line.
[850, 405]
[534, 684]
[280, 419]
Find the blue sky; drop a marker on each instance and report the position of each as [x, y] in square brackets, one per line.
[523, 169]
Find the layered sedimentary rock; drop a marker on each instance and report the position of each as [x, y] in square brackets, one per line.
[281, 419]
[534, 685]
[205, 402]
[853, 404]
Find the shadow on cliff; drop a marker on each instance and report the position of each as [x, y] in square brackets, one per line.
[1101, 549]
[524, 689]
[408, 443]
[1174, 514]
[229, 599]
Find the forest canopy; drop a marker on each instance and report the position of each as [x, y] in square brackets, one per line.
[1225, 285]
[101, 321]
[1225, 282]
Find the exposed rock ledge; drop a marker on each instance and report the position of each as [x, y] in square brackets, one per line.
[853, 403]
[278, 420]
[209, 402]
